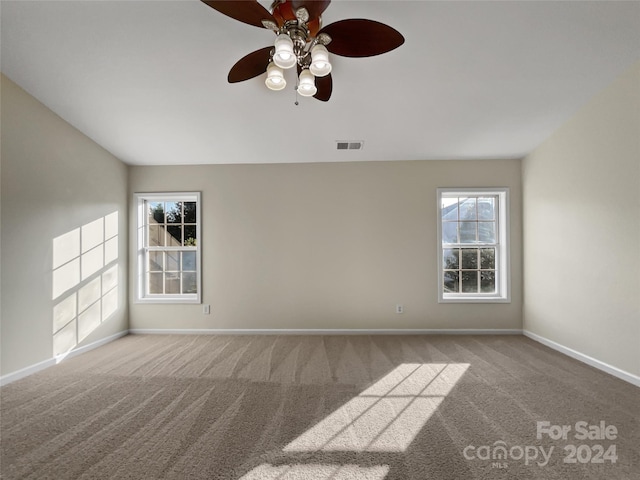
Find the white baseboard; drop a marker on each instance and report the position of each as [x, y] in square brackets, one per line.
[25, 372]
[605, 367]
[91, 346]
[30, 370]
[323, 331]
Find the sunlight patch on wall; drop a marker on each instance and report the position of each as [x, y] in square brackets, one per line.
[84, 281]
[387, 416]
[316, 472]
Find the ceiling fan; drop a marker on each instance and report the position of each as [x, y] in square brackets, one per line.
[303, 42]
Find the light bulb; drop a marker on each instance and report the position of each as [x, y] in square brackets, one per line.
[275, 78]
[320, 65]
[307, 84]
[284, 56]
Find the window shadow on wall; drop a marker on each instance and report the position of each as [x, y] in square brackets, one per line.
[84, 281]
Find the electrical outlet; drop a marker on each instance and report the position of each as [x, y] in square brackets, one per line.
[206, 309]
[399, 308]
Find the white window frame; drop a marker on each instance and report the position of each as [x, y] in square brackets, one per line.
[142, 250]
[503, 271]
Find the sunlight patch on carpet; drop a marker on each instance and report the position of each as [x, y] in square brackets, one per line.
[316, 472]
[387, 416]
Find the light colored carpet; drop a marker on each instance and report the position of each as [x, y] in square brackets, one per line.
[316, 408]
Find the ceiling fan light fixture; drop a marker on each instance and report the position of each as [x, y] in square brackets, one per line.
[307, 84]
[275, 78]
[302, 41]
[320, 65]
[284, 56]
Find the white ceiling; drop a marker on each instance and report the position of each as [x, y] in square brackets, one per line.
[147, 80]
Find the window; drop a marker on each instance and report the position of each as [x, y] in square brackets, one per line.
[473, 250]
[168, 236]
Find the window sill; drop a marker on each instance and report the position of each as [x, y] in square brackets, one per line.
[170, 300]
[466, 299]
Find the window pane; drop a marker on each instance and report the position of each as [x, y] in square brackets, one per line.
[189, 283]
[451, 282]
[450, 232]
[467, 232]
[189, 212]
[470, 282]
[467, 209]
[156, 212]
[488, 282]
[174, 212]
[469, 258]
[174, 239]
[155, 261]
[156, 236]
[189, 261]
[487, 232]
[173, 261]
[449, 210]
[486, 208]
[190, 235]
[172, 283]
[488, 258]
[155, 283]
[451, 258]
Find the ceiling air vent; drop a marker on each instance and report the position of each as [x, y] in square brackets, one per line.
[349, 145]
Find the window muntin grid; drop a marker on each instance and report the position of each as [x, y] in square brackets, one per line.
[469, 243]
[473, 253]
[168, 235]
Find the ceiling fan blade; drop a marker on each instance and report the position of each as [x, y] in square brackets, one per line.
[357, 37]
[246, 11]
[314, 7]
[250, 65]
[325, 87]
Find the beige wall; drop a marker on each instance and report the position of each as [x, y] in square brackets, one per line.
[54, 181]
[582, 230]
[326, 246]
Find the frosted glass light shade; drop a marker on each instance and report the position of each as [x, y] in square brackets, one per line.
[275, 78]
[284, 56]
[307, 84]
[320, 65]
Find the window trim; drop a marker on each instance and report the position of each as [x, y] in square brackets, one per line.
[503, 265]
[141, 232]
